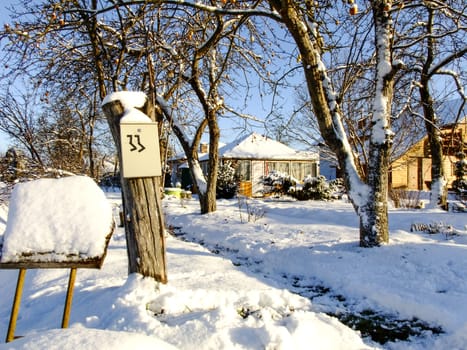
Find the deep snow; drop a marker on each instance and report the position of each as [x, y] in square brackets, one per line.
[234, 279]
[45, 226]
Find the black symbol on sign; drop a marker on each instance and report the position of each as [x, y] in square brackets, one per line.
[133, 146]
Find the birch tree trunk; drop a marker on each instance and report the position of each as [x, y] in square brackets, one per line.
[143, 217]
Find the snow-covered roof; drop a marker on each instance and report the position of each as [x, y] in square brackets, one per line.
[256, 146]
[55, 221]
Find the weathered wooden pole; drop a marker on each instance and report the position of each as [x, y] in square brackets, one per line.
[142, 208]
[15, 308]
[69, 298]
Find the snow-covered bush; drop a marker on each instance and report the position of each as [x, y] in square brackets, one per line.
[337, 188]
[227, 182]
[14, 165]
[277, 183]
[314, 188]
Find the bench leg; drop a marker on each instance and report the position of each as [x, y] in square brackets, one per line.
[69, 297]
[15, 308]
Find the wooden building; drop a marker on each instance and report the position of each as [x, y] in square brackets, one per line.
[412, 170]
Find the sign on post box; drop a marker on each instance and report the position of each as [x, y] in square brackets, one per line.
[140, 150]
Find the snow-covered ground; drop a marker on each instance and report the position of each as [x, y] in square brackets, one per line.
[256, 275]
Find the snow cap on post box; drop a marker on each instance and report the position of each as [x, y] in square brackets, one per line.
[131, 101]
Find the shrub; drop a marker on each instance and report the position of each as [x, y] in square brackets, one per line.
[337, 188]
[314, 188]
[460, 184]
[405, 199]
[227, 184]
[253, 212]
[277, 183]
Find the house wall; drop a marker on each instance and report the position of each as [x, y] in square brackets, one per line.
[404, 173]
[412, 171]
[328, 169]
[415, 173]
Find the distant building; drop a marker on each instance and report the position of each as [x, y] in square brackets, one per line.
[328, 166]
[253, 157]
[412, 170]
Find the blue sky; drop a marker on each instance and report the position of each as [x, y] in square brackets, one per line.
[230, 130]
[230, 125]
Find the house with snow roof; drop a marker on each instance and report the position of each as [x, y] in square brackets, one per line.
[253, 156]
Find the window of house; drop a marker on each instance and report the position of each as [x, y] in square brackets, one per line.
[300, 170]
[244, 170]
[282, 167]
[452, 143]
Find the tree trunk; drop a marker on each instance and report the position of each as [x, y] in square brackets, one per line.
[438, 180]
[144, 227]
[374, 225]
[368, 198]
[143, 217]
[208, 200]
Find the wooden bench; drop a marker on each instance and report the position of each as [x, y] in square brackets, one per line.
[23, 266]
[55, 223]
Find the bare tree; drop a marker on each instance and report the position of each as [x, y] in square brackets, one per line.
[369, 196]
[433, 47]
[20, 120]
[368, 193]
[70, 125]
[203, 54]
[56, 132]
[111, 42]
[67, 47]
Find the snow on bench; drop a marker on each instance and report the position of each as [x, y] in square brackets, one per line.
[64, 222]
[55, 223]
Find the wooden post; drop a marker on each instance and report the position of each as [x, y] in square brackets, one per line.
[142, 210]
[69, 298]
[15, 308]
